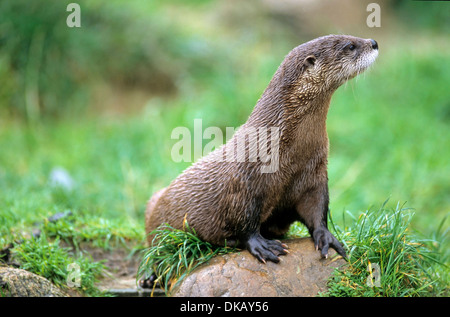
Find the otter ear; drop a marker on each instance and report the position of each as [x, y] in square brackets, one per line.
[309, 61]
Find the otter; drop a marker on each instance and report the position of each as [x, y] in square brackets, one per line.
[233, 201]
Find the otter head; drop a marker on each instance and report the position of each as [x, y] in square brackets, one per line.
[323, 64]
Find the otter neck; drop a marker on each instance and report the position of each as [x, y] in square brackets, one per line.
[297, 111]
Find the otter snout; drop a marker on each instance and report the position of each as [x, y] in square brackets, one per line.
[374, 44]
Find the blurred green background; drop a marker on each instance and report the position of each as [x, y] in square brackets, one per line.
[101, 102]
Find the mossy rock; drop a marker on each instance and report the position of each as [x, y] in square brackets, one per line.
[21, 283]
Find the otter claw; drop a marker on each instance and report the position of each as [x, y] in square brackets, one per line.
[264, 249]
[323, 240]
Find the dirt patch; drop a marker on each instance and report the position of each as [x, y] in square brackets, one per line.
[121, 266]
[121, 270]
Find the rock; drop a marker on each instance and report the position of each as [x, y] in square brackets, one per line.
[302, 272]
[59, 177]
[21, 283]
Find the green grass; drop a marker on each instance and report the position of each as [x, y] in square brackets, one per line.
[174, 254]
[50, 260]
[386, 259]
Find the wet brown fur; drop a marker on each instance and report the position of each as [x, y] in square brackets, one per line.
[234, 201]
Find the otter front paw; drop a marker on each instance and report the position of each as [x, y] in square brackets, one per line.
[323, 240]
[264, 249]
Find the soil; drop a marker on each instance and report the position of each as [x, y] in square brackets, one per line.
[121, 270]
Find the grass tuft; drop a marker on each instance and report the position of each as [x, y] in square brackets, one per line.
[174, 254]
[51, 261]
[386, 259]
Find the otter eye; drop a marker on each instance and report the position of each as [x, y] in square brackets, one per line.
[351, 47]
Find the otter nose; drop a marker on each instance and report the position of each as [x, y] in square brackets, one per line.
[374, 44]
